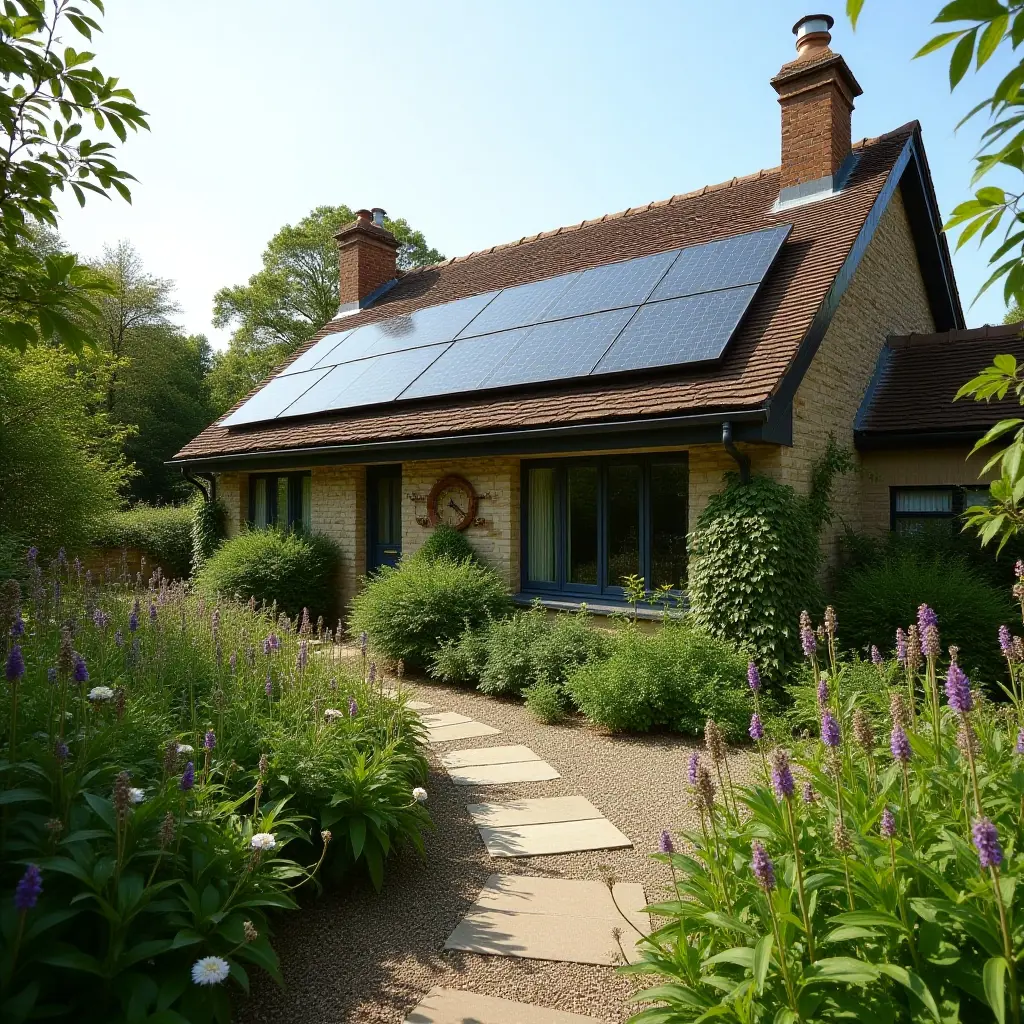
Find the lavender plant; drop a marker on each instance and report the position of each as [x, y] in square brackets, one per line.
[890, 891]
[171, 771]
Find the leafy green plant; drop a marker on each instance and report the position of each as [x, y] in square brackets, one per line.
[509, 665]
[410, 610]
[571, 640]
[673, 678]
[547, 701]
[293, 569]
[445, 541]
[754, 557]
[163, 533]
[209, 528]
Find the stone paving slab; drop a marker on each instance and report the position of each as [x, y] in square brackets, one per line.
[560, 919]
[488, 755]
[542, 811]
[451, 1006]
[500, 774]
[461, 731]
[444, 718]
[418, 705]
[553, 837]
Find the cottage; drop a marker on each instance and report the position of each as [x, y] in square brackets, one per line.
[571, 399]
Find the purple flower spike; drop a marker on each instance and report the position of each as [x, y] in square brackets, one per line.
[364, 641]
[822, 692]
[692, 769]
[926, 617]
[51, 675]
[119, 638]
[762, 867]
[210, 739]
[888, 824]
[353, 707]
[753, 677]
[373, 672]
[303, 656]
[756, 729]
[133, 621]
[18, 626]
[188, 778]
[1005, 642]
[876, 656]
[782, 775]
[986, 842]
[28, 889]
[268, 687]
[830, 733]
[899, 744]
[810, 797]
[808, 643]
[33, 554]
[60, 751]
[665, 844]
[1019, 748]
[901, 647]
[152, 612]
[958, 690]
[80, 674]
[15, 668]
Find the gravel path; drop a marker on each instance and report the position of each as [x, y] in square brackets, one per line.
[356, 956]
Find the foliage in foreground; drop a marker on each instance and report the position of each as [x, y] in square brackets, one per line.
[411, 610]
[170, 773]
[293, 569]
[876, 878]
[674, 678]
[162, 532]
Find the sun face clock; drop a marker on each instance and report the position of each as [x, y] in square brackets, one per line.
[452, 500]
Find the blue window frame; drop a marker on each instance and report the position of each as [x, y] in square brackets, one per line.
[281, 499]
[587, 523]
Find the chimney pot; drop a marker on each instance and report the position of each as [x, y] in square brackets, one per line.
[378, 216]
[363, 215]
[367, 257]
[813, 34]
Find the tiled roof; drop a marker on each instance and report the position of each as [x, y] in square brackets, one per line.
[918, 376]
[755, 361]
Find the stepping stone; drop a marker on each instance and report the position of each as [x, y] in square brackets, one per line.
[501, 774]
[530, 828]
[460, 731]
[418, 705]
[488, 755]
[450, 1006]
[444, 718]
[552, 919]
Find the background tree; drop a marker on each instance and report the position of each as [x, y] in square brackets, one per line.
[50, 95]
[290, 298]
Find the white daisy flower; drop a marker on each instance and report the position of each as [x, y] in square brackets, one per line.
[185, 748]
[136, 796]
[333, 714]
[210, 970]
[419, 794]
[263, 841]
[101, 693]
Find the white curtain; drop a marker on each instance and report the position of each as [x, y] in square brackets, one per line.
[540, 538]
[259, 503]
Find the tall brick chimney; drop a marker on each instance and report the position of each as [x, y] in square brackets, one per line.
[816, 93]
[367, 254]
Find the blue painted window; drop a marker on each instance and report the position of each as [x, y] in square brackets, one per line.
[588, 523]
[281, 499]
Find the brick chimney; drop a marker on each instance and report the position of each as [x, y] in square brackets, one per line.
[816, 93]
[367, 256]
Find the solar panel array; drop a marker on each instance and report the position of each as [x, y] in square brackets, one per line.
[669, 309]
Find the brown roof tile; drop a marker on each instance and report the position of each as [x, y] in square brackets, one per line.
[752, 367]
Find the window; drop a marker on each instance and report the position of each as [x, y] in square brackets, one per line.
[589, 523]
[281, 499]
[918, 509]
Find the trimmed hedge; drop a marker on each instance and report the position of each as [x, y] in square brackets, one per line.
[446, 542]
[294, 569]
[162, 532]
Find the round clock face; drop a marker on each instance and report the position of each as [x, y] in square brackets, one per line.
[452, 501]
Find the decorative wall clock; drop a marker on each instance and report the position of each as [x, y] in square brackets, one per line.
[453, 501]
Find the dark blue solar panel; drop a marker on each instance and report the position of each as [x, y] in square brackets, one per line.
[465, 365]
[520, 306]
[311, 357]
[612, 287]
[560, 349]
[366, 382]
[354, 344]
[275, 395]
[726, 263]
[691, 329]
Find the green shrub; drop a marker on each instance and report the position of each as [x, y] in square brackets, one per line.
[209, 528]
[460, 661]
[446, 542]
[509, 665]
[674, 678]
[411, 610]
[754, 557]
[547, 702]
[872, 602]
[861, 681]
[294, 569]
[571, 641]
[162, 532]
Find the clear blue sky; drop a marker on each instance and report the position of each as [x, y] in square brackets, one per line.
[477, 122]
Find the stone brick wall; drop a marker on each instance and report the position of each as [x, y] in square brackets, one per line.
[339, 511]
[233, 493]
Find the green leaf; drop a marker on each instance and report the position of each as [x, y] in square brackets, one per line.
[961, 59]
[938, 42]
[357, 834]
[993, 977]
[971, 10]
[992, 37]
[22, 796]
[762, 961]
[840, 968]
[914, 984]
[853, 9]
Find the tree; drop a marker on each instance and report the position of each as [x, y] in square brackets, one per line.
[49, 95]
[291, 297]
[154, 376]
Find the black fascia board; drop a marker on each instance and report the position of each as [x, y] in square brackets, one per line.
[894, 440]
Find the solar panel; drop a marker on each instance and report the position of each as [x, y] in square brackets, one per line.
[726, 263]
[691, 329]
[274, 396]
[355, 344]
[465, 365]
[520, 306]
[312, 356]
[366, 382]
[613, 286]
[560, 349]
